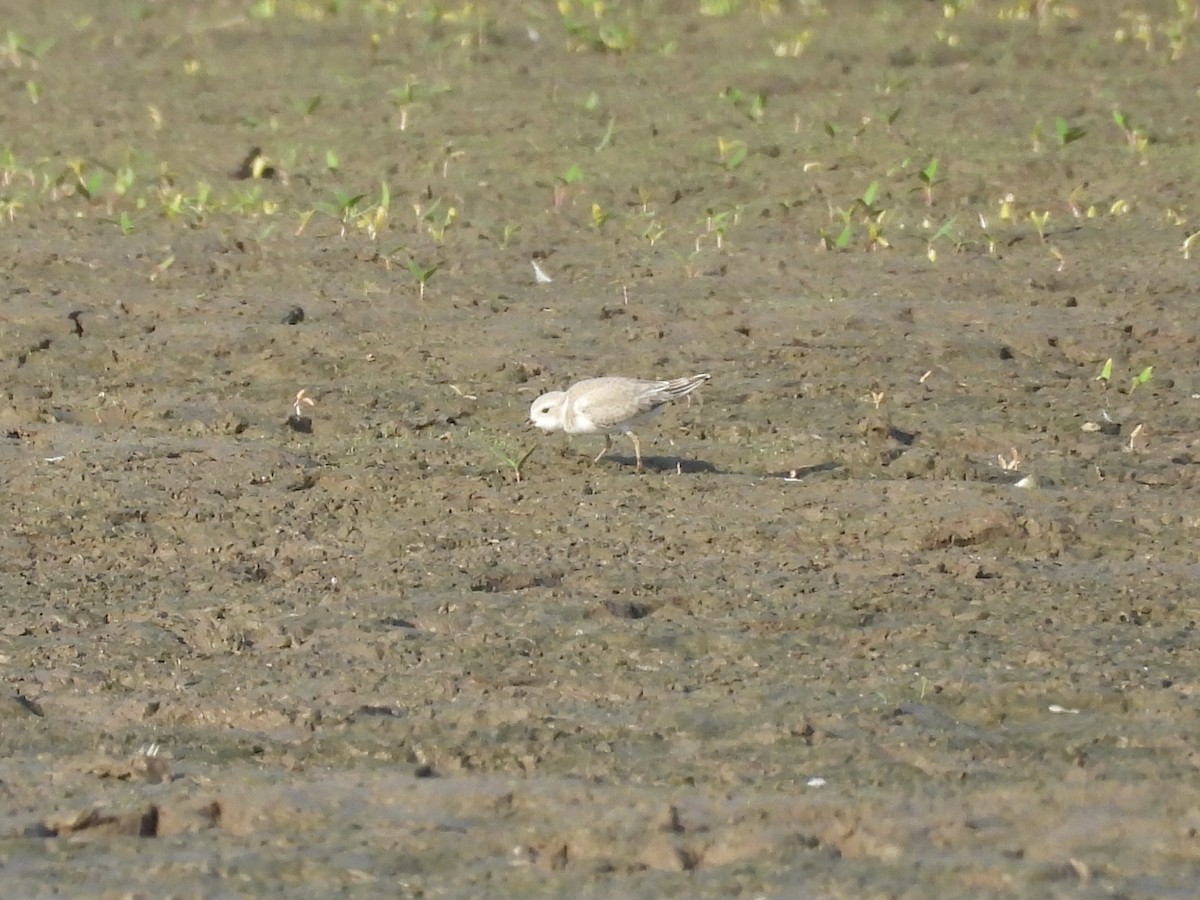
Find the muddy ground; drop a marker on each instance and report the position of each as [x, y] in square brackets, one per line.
[904, 607]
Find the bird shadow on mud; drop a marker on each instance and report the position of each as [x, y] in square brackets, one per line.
[667, 464]
[663, 464]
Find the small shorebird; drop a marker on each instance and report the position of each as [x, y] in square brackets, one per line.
[609, 406]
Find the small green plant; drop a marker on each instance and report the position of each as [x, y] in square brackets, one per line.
[731, 153]
[653, 232]
[514, 460]
[791, 45]
[422, 274]
[928, 176]
[1105, 372]
[720, 223]
[842, 240]
[602, 33]
[123, 222]
[449, 155]
[345, 208]
[1067, 133]
[606, 139]
[1135, 137]
[379, 218]
[348, 209]
[1141, 378]
[1039, 221]
[507, 233]
[17, 52]
[409, 93]
[754, 105]
[564, 182]
[946, 232]
[437, 220]
[870, 195]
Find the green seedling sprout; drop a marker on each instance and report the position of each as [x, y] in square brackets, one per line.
[617, 38]
[15, 51]
[162, 266]
[842, 241]
[1134, 137]
[653, 232]
[1141, 378]
[449, 154]
[720, 223]
[563, 183]
[928, 176]
[1105, 372]
[1036, 137]
[793, 45]
[435, 220]
[756, 106]
[516, 463]
[123, 222]
[731, 153]
[331, 160]
[345, 208]
[9, 208]
[124, 181]
[1135, 434]
[869, 196]
[348, 209]
[946, 231]
[507, 233]
[608, 135]
[422, 274]
[379, 220]
[601, 35]
[1067, 133]
[599, 215]
[1057, 254]
[1039, 221]
[875, 236]
[410, 92]
[573, 175]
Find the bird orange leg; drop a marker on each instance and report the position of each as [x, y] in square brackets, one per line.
[607, 447]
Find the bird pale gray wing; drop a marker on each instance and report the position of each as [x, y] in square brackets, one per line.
[610, 402]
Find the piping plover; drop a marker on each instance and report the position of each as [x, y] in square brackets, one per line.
[609, 406]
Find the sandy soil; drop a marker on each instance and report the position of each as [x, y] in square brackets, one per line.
[904, 607]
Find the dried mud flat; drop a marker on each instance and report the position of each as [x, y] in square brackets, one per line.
[826, 646]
